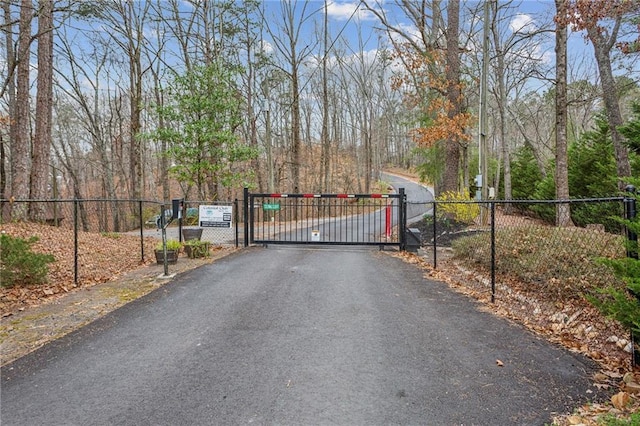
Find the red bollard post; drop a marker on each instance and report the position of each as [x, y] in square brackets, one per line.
[388, 221]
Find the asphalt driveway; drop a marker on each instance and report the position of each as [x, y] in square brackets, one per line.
[293, 336]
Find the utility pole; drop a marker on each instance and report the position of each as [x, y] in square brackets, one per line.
[483, 149]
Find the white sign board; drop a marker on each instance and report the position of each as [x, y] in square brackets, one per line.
[215, 216]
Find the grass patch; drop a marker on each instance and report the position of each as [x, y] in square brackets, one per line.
[125, 295]
[612, 420]
[559, 261]
[112, 235]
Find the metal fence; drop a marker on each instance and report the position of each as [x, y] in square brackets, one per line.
[504, 238]
[124, 216]
[137, 218]
[519, 240]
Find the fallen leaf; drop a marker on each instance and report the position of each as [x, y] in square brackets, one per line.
[499, 363]
[620, 400]
[599, 377]
[633, 387]
[574, 420]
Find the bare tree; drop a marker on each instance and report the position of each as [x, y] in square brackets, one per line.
[563, 214]
[515, 64]
[588, 15]
[325, 141]
[20, 119]
[82, 86]
[44, 107]
[8, 87]
[128, 19]
[287, 42]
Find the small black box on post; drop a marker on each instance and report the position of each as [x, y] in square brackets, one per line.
[413, 239]
[178, 206]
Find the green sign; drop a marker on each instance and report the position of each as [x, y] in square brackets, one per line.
[266, 206]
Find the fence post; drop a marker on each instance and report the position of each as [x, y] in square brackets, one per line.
[75, 242]
[402, 216]
[141, 222]
[246, 217]
[493, 251]
[632, 252]
[236, 218]
[630, 214]
[435, 236]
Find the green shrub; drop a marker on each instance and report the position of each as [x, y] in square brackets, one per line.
[623, 304]
[464, 210]
[19, 265]
[525, 174]
[171, 245]
[197, 248]
[612, 420]
[591, 172]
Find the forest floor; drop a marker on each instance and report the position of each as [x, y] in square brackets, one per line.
[35, 315]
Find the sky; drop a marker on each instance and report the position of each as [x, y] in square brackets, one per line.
[349, 18]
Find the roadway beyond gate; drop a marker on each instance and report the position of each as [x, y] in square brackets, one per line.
[297, 336]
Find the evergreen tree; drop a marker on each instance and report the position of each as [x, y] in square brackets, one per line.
[203, 116]
[525, 174]
[592, 174]
[592, 165]
[631, 130]
[622, 303]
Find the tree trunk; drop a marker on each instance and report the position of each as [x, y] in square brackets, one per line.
[502, 106]
[11, 98]
[602, 50]
[324, 133]
[21, 142]
[44, 107]
[135, 40]
[451, 180]
[563, 213]
[295, 125]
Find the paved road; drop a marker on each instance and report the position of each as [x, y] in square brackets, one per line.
[294, 336]
[418, 196]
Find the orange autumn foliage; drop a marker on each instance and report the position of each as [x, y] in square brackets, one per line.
[584, 14]
[425, 88]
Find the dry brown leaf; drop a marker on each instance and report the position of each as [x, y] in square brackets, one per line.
[620, 400]
[575, 420]
[633, 388]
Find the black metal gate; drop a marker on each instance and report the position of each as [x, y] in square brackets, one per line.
[338, 219]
